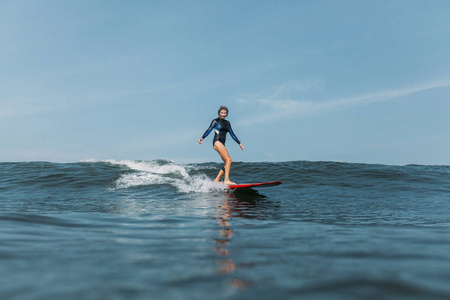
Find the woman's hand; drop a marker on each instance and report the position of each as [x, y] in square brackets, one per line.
[242, 146]
[200, 140]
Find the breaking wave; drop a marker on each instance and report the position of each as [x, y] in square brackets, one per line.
[161, 172]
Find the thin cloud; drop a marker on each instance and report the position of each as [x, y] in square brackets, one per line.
[281, 108]
[283, 91]
[20, 107]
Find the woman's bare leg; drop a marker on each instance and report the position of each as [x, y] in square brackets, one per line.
[221, 172]
[219, 147]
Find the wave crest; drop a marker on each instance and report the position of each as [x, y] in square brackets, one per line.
[161, 172]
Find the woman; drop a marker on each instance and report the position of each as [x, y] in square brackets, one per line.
[221, 127]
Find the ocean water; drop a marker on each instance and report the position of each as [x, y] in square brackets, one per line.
[161, 230]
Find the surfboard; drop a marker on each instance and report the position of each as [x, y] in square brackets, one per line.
[250, 185]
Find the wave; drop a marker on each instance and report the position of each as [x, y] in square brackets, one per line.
[188, 178]
[161, 172]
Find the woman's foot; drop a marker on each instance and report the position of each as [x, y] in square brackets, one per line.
[229, 182]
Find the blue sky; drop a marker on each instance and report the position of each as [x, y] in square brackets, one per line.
[351, 81]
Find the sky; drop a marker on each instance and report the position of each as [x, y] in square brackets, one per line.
[348, 81]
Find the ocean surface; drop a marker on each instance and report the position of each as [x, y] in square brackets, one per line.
[161, 230]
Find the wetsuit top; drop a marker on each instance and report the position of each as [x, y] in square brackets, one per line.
[221, 127]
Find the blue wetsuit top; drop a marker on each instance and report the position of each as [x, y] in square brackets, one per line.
[221, 127]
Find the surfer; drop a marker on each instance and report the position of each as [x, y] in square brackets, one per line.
[221, 127]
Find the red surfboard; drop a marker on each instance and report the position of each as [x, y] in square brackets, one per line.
[250, 185]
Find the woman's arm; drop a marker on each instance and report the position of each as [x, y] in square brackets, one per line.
[230, 130]
[208, 131]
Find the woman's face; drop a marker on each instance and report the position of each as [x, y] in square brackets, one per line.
[223, 113]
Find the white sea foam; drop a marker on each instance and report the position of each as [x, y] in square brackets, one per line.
[141, 178]
[161, 172]
[199, 184]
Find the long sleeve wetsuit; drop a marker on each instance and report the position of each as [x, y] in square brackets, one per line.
[221, 127]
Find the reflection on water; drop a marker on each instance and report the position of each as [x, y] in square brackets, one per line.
[244, 205]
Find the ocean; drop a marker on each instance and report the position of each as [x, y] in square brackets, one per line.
[107, 229]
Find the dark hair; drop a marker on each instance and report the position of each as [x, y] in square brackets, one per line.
[222, 108]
